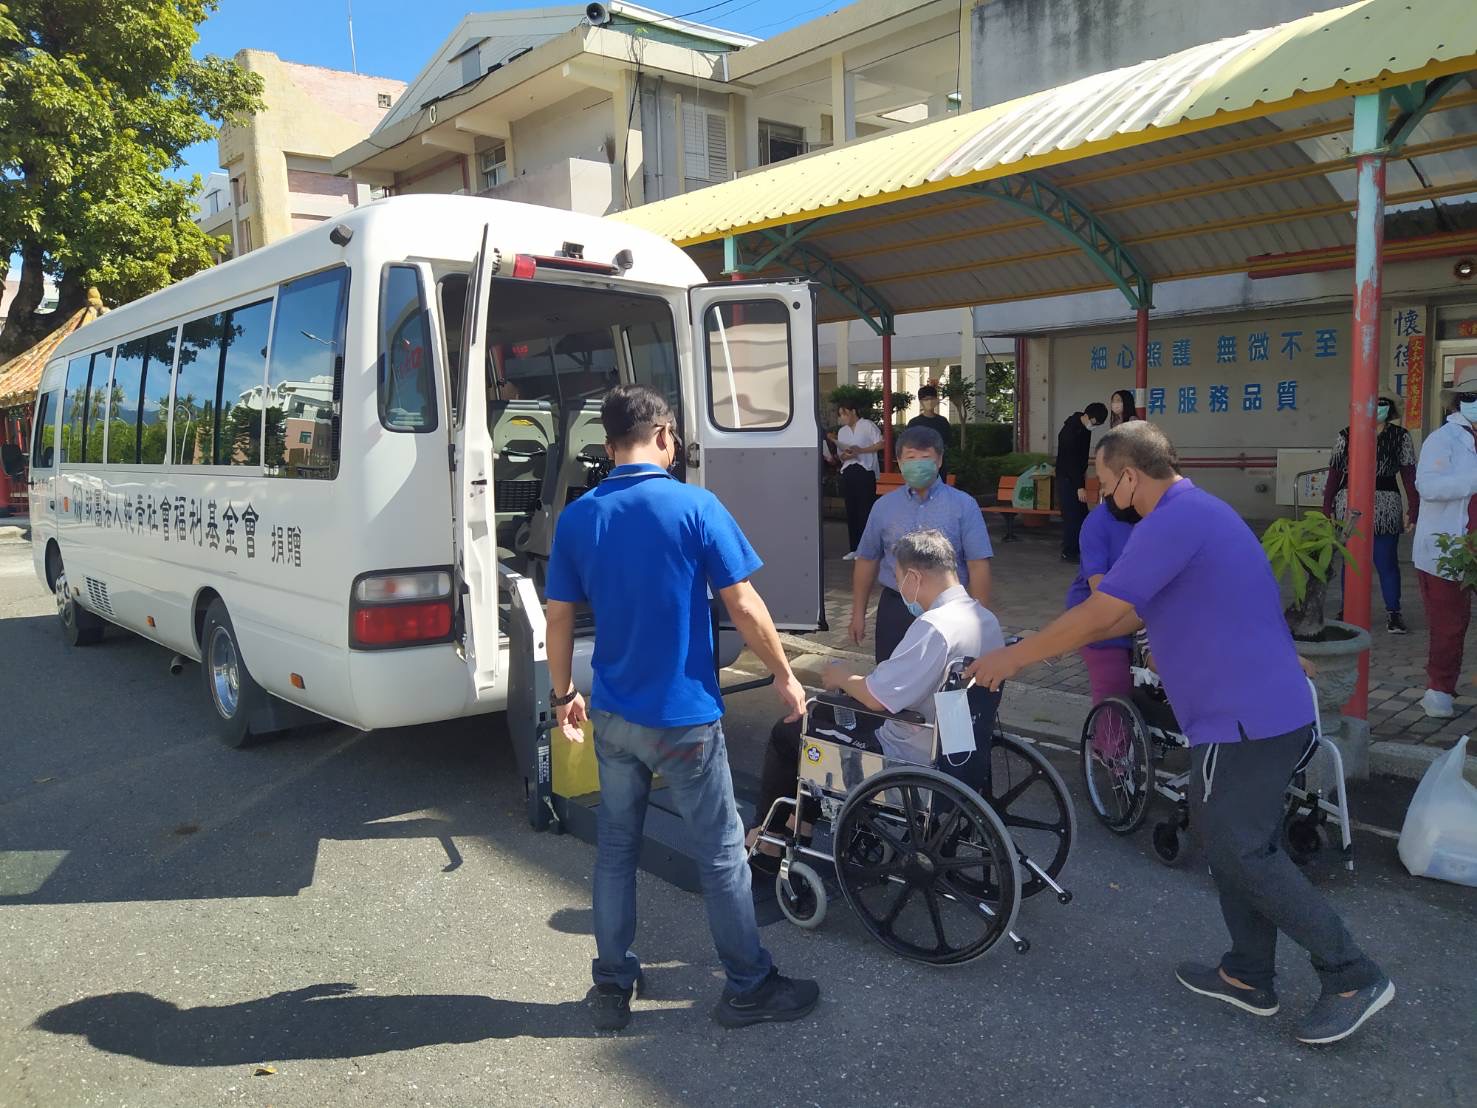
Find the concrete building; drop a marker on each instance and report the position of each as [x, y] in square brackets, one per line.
[279, 161]
[215, 214]
[546, 106]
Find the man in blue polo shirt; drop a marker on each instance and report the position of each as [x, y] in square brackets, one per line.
[643, 550]
[925, 502]
[1196, 576]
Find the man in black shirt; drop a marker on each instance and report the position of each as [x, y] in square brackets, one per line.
[1073, 444]
[928, 398]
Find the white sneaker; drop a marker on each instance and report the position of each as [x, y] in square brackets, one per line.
[849, 557]
[1437, 704]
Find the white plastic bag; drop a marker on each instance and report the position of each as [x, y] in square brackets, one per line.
[1439, 838]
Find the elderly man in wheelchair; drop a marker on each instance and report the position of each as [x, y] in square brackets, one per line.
[899, 781]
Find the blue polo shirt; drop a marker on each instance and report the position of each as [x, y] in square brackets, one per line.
[903, 511]
[642, 549]
[1200, 581]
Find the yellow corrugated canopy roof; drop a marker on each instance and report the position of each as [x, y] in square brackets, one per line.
[20, 376]
[1322, 57]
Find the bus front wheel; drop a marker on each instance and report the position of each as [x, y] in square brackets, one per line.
[79, 626]
[234, 695]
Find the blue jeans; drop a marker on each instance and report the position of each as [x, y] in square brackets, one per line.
[693, 762]
[1387, 565]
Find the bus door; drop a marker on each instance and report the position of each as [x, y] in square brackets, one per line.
[476, 539]
[757, 433]
[41, 481]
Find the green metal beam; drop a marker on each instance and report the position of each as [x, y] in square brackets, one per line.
[1415, 101]
[1060, 210]
[785, 249]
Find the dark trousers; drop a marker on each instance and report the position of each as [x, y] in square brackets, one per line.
[781, 773]
[893, 622]
[1236, 810]
[1448, 612]
[1387, 565]
[1074, 512]
[859, 490]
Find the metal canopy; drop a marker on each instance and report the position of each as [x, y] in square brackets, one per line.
[1184, 167]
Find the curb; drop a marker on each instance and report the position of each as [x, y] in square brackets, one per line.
[1039, 713]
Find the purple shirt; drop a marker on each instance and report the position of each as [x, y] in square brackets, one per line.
[1201, 583]
[1102, 540]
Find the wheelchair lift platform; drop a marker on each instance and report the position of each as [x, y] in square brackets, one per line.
[531, 726]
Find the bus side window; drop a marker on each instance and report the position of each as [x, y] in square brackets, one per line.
[406, 371]
[305, 371]
[153, 427]
[74, 404]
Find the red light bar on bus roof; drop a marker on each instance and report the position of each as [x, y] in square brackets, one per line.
[525, 265]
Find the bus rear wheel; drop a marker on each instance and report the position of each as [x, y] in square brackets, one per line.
[79, 626]
[235, 697]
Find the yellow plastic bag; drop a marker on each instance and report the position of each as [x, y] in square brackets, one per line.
[576, 772]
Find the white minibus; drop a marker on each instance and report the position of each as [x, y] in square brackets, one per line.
[309, 467]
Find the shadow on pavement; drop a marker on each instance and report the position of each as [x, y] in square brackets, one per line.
[319, 1021]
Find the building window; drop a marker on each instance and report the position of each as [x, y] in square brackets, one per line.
[383, 99]
[305, 438]
[492, 166]
[704, 146]
[779, 141]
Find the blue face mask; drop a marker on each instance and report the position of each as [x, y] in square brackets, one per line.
[919, 473]
[914, 608]
[1469, 411]
[1383, 411]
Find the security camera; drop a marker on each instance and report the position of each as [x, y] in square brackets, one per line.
[597, 14]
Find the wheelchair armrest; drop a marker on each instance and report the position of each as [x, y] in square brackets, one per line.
[841, 700]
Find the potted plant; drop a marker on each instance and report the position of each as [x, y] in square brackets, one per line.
[1307, 552]
[1458, 561]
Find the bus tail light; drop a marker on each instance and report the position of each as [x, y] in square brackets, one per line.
[527, 265]
[404, 608]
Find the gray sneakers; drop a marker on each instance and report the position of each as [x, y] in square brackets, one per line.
[1337, 1017]
[1207, 981]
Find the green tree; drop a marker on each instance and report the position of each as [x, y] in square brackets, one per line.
[99, 98]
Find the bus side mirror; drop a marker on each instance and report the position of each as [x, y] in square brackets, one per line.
[12, 460]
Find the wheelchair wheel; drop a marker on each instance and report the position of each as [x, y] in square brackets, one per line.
[1117, 765]
[1032, 801]
[1301, 839]
[803, 900]
[945, 889]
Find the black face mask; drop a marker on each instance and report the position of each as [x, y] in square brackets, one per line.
[1130, 514]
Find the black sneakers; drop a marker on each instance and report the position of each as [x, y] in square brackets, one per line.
[1337, 1017]
[777, 1000]
[1207, 981]
[610, 1005]
[1395, 624]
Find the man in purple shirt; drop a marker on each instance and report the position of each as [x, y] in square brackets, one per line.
[1197, 578]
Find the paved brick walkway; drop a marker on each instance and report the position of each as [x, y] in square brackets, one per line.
[1030, 582]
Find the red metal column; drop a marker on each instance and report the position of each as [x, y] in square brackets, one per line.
[1141, 365]
[887, 403]
[1363, 391]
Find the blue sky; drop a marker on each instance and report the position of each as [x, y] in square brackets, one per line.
[395, 38]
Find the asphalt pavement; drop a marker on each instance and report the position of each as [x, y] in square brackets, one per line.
[369, 917]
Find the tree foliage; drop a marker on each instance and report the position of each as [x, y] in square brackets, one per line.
[100, 97]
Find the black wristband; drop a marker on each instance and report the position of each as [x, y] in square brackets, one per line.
[560, 701]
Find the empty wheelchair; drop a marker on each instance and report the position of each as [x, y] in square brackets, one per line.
[1126, 743]
[934, 860]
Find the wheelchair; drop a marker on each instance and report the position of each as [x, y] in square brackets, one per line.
[934, 860]
[1126, 743]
